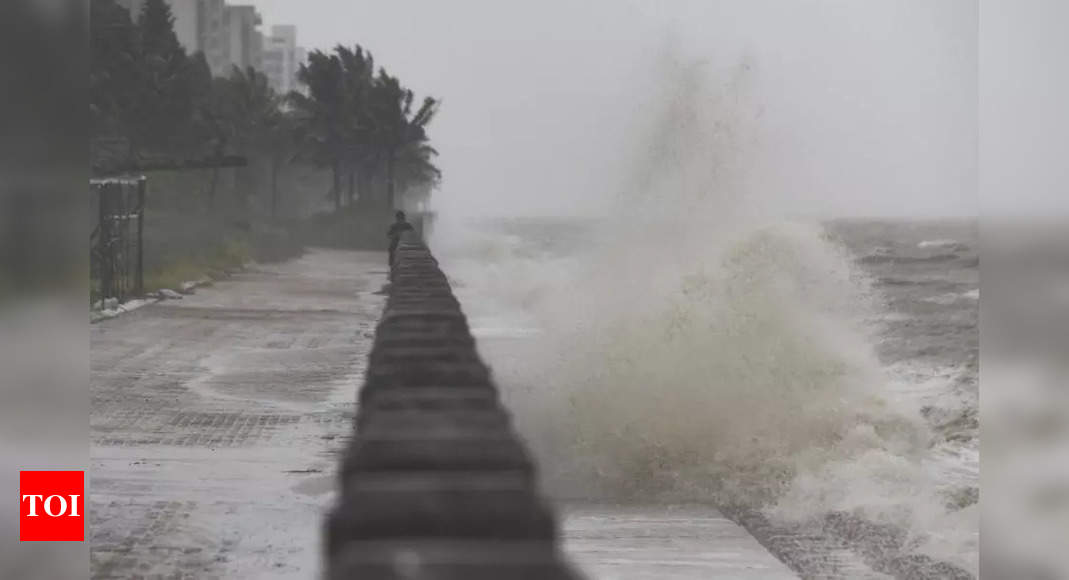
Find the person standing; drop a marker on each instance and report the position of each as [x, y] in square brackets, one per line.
[398, 227]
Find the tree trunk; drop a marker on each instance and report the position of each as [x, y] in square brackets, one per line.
[219, 150]
[274, 189]
[352, 185]
[241, 186]
[362, 188]
[337, 186]
[212, 186]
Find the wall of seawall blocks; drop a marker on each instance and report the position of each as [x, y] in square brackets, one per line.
[436, 484]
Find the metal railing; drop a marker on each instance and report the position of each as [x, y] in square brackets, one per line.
[116, 257]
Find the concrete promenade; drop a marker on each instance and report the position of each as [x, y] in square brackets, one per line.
[217, 420]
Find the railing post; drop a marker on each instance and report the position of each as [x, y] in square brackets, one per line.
[104, 243]
[140, 236]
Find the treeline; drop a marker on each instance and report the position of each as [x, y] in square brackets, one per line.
[151, 100]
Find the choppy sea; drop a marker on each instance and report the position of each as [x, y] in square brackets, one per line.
[817, 382]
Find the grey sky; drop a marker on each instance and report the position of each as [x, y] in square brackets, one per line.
[1024, 107]
[867, 107]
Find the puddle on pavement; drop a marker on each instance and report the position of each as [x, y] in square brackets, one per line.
[317, 485]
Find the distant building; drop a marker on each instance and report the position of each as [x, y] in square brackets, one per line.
[302, 58]
[213, 35]
[245, 42]
[256, 51]
[282, 58]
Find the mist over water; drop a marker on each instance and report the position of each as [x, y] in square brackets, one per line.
[696, 344]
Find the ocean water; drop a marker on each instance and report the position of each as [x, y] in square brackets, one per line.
[801, 371]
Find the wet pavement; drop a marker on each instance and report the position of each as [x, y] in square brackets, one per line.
[618, 542]
[216, 420]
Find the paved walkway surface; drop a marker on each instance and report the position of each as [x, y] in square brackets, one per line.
[216, 420]
[664, 543]
[216, 426]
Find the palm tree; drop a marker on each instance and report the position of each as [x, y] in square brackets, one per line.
[254, 107]
[415, 166]
[363, 125]
[359, 72]
[401, 133]
[321, 114]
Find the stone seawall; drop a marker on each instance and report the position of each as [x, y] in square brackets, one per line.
[436, 484]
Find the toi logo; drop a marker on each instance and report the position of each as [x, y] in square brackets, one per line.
[52, 506]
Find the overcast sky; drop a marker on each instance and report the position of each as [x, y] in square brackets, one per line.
[866, 107]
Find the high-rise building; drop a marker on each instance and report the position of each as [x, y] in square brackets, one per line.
[245, 42]
[302, 58]
[282, 58]
[212, 35]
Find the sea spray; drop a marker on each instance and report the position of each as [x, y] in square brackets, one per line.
[699, 345]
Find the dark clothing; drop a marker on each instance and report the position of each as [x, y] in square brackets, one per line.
[396, 229]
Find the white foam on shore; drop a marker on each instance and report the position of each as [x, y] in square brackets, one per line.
[942, 243]
[952, 297]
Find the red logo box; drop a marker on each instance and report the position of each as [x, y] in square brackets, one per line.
[52, 506]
